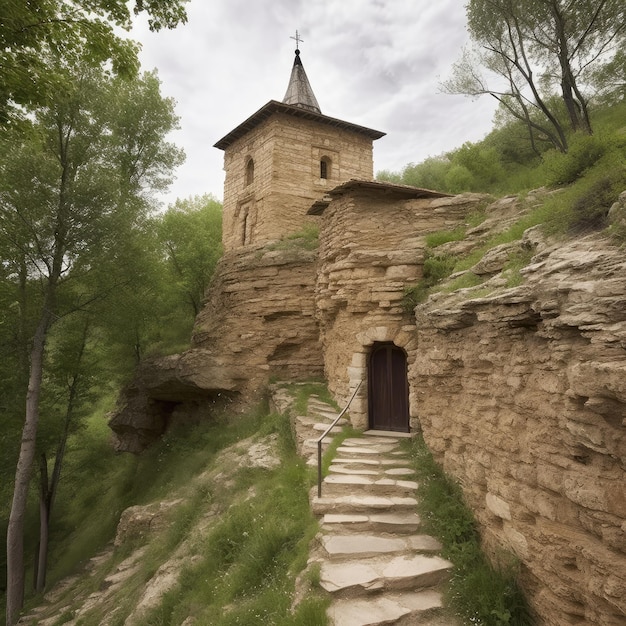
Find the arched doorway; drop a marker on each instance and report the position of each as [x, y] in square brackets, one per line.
[388, 397]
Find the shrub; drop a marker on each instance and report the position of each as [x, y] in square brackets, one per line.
[459, 179]
[444, 236]
[590, 210]
[584, 152]
[435, 269]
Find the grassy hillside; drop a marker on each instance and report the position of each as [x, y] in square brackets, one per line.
[503, 163]
[238, 534]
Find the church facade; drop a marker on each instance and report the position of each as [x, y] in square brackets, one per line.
[289, 167]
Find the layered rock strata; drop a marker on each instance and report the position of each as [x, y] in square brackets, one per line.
[257, 323]
[521, 393]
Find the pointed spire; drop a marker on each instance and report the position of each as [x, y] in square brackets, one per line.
[299, 92]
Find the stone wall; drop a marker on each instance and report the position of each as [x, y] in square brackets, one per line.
[372, 245]
[522, 395]
[287, 152]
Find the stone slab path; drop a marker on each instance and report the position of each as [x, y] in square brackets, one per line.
[372, 558]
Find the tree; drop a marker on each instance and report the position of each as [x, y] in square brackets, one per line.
[191, 231]
[88, 29]
[72, 192]
[537, 48]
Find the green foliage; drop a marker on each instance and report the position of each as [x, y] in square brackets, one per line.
[244, 573]
[303, 391]
[261, 524]
[458, 179]
[190, 232]
[565, 168]
[478, 592]
[429, 174]
[307, 238]
[584, 206]
[33, 32]
[464, 281]
[479, 167]
[505, 162]
[444, 236]
[435, 269]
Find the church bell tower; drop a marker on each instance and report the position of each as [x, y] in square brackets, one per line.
[282, 159]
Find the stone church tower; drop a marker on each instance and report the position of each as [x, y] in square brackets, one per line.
[282, 159]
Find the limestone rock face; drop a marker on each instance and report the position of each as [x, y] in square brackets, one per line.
[258, 321]
[522, 395]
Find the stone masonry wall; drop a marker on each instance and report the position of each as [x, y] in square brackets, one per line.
[522, 395]
[286, 153]
[372, 247]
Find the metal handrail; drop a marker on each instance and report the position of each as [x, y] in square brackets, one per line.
[319, 441]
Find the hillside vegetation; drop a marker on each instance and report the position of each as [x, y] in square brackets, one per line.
[220, 507]
[504, 162]
[260, 525]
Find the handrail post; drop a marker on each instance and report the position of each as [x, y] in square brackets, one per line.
[319, 468]
[320, 439]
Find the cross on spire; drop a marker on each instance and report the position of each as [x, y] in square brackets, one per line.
[297, 39]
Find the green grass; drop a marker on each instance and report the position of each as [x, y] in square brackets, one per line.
[244, 570]
[305, 239]
[478, 592]
[440, 237]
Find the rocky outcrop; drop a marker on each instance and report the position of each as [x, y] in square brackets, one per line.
[259, 313]
[257, 323]
[521, 393]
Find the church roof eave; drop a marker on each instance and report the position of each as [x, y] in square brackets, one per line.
[273, 106]
[404, 192]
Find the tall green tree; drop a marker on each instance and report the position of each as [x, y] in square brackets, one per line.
[534, 49]
[33, 30]
[191, 232]
[73, 193]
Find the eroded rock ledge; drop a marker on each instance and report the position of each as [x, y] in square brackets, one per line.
[257, 322]
[522, 394]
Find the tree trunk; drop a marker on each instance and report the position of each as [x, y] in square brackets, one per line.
[15, 532]
[44, 525]
[48, 489]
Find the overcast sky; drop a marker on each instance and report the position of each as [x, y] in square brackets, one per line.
[377, 63]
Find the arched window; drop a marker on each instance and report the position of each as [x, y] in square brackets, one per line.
[249, 172]
[325, 164]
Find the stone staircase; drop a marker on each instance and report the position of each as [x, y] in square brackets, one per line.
[371, 556]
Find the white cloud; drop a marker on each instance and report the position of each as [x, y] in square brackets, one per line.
[377, 63]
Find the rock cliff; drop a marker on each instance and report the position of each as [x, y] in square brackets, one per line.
[521, 393]
[257, 323]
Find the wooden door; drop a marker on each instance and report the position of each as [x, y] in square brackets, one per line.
[388, 389]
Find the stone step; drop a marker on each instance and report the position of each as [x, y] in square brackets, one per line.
[350, 484]
[392, 608]
[361, 461]
[354, 451]
[360, 504]
[366, 545]
[334, 430]
[360, 577]
[311, 444]
[327, 412]
[371, 441]
[387, 434]
[397, 523]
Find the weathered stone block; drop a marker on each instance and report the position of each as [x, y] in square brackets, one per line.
[498, 506]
